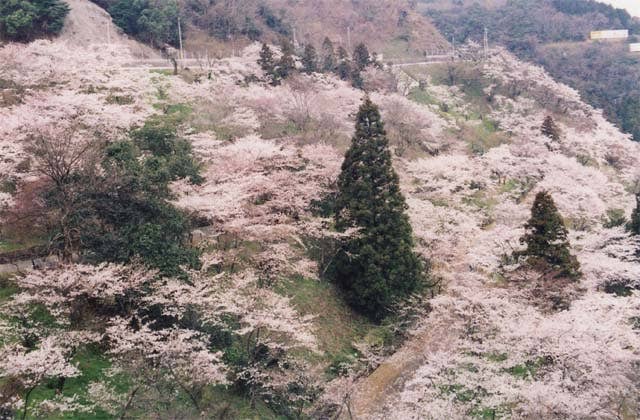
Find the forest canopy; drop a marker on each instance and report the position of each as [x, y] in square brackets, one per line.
[25, 20]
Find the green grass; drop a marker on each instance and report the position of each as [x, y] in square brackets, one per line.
[336, 326]
[481, 200]
[461, 393]
[230, 405]
[6, 292]
[18, 245]
[422, 97]
[220, 401]
[161, 91]
[164, 72]
[439, 202]
[114, 99]
[530, 368]
[92, 363]
[491, 413]
[179, 112]
[321, 299]
[399, 49]
[276, 129]
[228, 133]
[482, 137]
[510, 185]
[614, 218]
[496, 357]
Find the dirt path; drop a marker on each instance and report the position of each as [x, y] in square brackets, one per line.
[373, 391]
[440, 332]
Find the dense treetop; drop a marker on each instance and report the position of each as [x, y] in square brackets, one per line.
[24, 20]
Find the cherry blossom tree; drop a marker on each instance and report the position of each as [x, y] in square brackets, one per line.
[51, 360]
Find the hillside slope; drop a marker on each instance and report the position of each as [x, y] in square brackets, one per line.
[470, 156]
[497, 348]
[390, 27]
[88, 24]
[554, 34]
[393, 28]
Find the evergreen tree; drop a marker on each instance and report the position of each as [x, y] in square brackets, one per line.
[25, 20]
[310, 59]
[550, 129]
[361, 56]
[286, 64]
[268, 64]
[266, 60]
[546, 238]
[342, 53]
[155, 23]
[377, 267]
[634, 224]
[343, 69]
[356, 79]
[328, 55]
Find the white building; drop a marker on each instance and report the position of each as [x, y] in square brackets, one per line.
[615, 34]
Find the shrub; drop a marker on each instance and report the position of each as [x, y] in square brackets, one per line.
[113, 202]
[615, 218]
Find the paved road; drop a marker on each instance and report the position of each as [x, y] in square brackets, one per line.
[164, 64]
[422, 63]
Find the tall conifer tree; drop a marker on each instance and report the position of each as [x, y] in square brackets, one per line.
[328, 55]
[378, 266]
[286, 64]
[267, 63]
[550, 128]
[310, 59]
[546, 238]
[634, 223]
[361, 56]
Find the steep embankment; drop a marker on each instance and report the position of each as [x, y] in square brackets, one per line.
[394, 28]
[88, 24]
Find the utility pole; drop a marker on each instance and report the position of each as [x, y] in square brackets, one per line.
[349, 38]
[486, 44]
[453, 47]
[295, 38]
[180, 38]
[109, 31]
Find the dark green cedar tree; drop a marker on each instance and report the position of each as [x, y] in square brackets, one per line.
[550, 129]
[328, 56]
[546, 239]
[377, 267]
[634, 224]
[310, 59]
